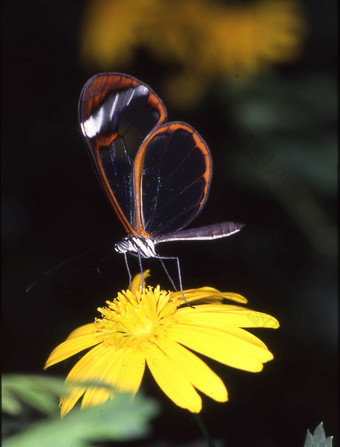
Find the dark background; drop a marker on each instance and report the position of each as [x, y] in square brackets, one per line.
[278, 177]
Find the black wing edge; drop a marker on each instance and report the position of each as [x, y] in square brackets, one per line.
[208, 232]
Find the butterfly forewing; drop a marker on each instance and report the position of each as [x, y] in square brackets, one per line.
[172, 174]
[116, 113]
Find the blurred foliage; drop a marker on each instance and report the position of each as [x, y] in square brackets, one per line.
[318, 438]
[40, 392]
[285, 133]
[203, 39]
[119, 419]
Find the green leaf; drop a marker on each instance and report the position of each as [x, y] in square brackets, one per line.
[122, 418]
[41, 393]
[318, 438]
[10, 404]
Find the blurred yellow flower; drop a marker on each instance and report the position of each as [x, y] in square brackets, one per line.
[155, 327]
[204, 39]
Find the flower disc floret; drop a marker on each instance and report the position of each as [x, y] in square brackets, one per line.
[156, 328]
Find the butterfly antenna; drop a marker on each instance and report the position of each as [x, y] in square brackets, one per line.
[128, 269]
[56, 267]
[101, 262]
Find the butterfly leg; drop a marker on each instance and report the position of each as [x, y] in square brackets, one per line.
[179, 275]
[128, 269]
[141, 268]
[168, 274]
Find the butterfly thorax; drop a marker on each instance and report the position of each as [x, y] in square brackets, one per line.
[137, 245]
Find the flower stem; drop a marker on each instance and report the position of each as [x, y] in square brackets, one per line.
[203, 429]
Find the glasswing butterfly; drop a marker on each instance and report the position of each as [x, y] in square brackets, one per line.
[156, 174]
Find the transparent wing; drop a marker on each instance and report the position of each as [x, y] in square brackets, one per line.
[116, 113]
[173, 171]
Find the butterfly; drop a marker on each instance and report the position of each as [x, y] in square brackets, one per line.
[156, 174]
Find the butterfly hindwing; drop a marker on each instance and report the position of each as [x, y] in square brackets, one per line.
[172, 172]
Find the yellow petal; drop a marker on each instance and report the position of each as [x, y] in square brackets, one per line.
[68, 402]
[88, 368]
[95, 396]
[234, 331]
[98, 371]
[234, 297]
[196, 371]
[226, 316]
[173, 383]
[122, 369]
[137, 281]
[125, 370]
[209, 295]
[91, 364]
[234, 346]
[86, 329]
[74, 343]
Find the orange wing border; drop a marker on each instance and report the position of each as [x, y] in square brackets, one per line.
[169, 128]
[93, 94]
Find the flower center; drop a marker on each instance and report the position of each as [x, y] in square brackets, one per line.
[136, 319]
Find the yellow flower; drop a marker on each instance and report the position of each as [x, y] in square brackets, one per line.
[203, 39]
[157, 328]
